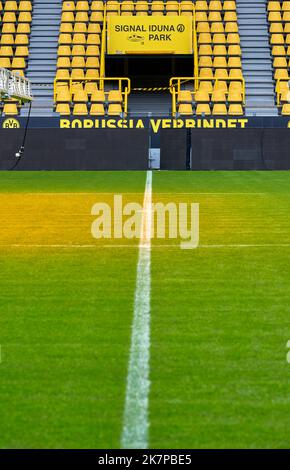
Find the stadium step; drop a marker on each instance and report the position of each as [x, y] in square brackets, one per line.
[256, 57]
[43, 54]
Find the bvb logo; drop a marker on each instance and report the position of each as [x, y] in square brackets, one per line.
[11, 123]
[180, 28]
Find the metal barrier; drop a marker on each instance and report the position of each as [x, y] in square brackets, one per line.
[176, 83]
[279, 90]
[124, 86]
[12, 85]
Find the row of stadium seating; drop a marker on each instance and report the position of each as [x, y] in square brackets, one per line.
[279, 28]
[15, 28]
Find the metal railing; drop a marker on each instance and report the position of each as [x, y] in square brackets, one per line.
[279, 90]
[124, 86]
[12, 85]
[176, 83]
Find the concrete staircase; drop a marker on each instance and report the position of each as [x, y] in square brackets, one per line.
[43, 54]
[256, 57]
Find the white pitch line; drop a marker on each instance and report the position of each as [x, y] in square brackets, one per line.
[136, 422]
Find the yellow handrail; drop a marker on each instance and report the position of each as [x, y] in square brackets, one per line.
[124, 86]
[103, 46]
[176, 82]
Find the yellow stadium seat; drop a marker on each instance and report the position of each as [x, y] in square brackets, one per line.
[200, 16]
[62, 74]
[6, 51]
[97, 16]
[235, 62]
[24, 17]
[79, 38]
[80, 28]
[205, 49]
[93, 51]
[18, 63]
[82, 17]
[65, 39]
[220, 62]
[63, 94]
[80, 109]
[222, 74]
[93, 39]
[285, 6]
[114, 109]
[91, 88]
[8, 28]
[277, 39]
[184, 96]
[280, 62]
[9, 17]
[10, 6]
[67, 17]
[5, 62]
[218, 96]
[233, 38]
[281, 74]
[214, 16]
[78, 62]
[235, 96]
[78, 50]
[220, 85]
[68, 6]
[82, 6]
[94, 28]
[235, 74]
[229, 5]
[203, 27]
[64, 51]
[25, 6]
[205, 86]
[77, 74]
[274, 6]
[219, 50]
[203, 108]
[206, 73]
[92, 74]
[231, 27]
[98, 96]
[202, 96]
[81, 96]
[286, 109]
[63, 109]
[230, 16]
[234, 50]
[201, 5]
[276, 28]
[205, 61]
[97, 109]
[92, 63]
[66, 28]
[217, 28]
[10, 108]
[215, 5]
[97, 6]
[185, 109]
[23, 28]
[219, 110]
[7, 39]
[204, 38]
[219, 38]
[235, 110]
[21, 39]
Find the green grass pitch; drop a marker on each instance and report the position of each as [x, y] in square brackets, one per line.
[220, 315]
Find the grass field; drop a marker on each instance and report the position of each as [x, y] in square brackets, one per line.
[220, 314]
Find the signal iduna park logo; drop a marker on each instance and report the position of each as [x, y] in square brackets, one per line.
[149, 35]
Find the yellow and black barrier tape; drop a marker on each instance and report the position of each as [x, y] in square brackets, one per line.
[152, 89]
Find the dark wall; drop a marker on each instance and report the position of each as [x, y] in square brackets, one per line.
[240, 149]
[173, 149]
[76, 149]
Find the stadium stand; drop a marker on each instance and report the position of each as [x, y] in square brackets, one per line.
[16, 17]
[279, 27]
